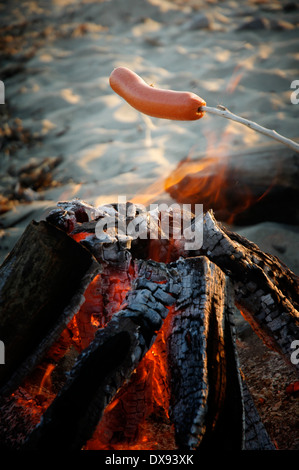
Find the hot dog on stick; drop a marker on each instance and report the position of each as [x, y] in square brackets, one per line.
[155, 102]
[176, 105]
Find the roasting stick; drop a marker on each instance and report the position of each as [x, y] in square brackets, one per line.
[175, 105]
[225, 113]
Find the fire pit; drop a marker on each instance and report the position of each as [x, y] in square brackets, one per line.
[121, 342]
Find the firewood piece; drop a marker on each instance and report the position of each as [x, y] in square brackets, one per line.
[105, 295]
[130, 225]
[143, 400]
[110, 250]
[106, 363]
[42, 285]
[206, 401]
[266, 291]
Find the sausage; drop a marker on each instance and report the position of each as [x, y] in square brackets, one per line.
[166, 104]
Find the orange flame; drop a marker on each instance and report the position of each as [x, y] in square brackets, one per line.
[195, 181]
[214, 180]
[147, 394]
[46, 380]
[234, 80]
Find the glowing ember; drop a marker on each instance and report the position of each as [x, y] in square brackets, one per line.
[46, 380]
[138, 417]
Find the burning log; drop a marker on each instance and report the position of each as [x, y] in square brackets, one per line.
[112, 284]
[42, 285]
[200, 383]
[206, 398]
[266, 291]
[107, 363]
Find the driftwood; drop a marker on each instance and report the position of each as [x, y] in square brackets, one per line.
[42, 283]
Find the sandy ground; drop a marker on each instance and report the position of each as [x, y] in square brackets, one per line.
[65, 133]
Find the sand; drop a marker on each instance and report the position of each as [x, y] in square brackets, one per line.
[55, 63]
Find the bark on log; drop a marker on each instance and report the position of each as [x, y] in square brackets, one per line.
[42, 282]
[206, 399]
[107, 363]
[266, 291]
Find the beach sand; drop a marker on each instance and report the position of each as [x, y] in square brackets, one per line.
[66, 134]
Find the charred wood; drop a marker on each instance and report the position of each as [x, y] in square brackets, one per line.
[127, 226]
[107, 363]
[266, 291]
[206, 399]
[110, 287]
[42, 282]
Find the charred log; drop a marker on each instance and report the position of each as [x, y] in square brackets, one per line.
[266, 291]
[110, 287]
[107, 363]
[42, 285]
[118, 227]
[206, 399]
[139, 413]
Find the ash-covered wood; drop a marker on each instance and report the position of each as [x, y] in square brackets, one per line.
[111, 249]
[206, 399]
[266, 291]
[109, 230]
[42, 283]
[115, 279]
[107, 363]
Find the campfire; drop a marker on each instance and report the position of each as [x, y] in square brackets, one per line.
[118, 321]
[116, 341]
